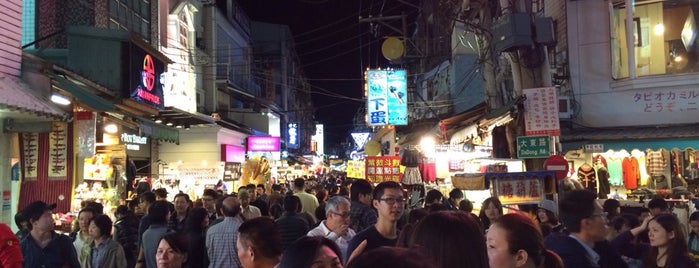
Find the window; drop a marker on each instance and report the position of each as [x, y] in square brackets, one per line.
[663, 36]
[131, 15]
[184, 31]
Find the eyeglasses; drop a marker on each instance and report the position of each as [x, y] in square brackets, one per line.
[392, 200]
[343, 215]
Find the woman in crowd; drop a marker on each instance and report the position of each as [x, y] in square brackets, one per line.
[393, 257]
[693, 239]
[195, 228]
[126, 233]
[491, 210]
[312, 251]
[668, 245]
[259, 243]
[514, 240]
[443, 233]
[80, 236]
[612, 207]
[111, 254]
[546, 214]
[172, 250]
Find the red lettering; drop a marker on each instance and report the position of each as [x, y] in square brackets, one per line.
[150, 97]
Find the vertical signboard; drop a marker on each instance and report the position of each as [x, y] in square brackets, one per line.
[383, 168]
[292, 136]
[145, 83]
[541, 112]
[387, 99]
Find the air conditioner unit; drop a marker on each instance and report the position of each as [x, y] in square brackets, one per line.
[565, 110]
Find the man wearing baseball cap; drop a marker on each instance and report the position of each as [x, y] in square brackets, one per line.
[44, 247]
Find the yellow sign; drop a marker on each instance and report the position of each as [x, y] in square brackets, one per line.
[356, 169]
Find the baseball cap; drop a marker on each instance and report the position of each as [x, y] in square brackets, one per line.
[549, 205]
[35, 209]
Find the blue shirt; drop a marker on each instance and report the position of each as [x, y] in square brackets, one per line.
[594, 257]
[57, 253]
[97, 254]
[151, 239]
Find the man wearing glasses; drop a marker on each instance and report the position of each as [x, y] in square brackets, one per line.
[390, 203]
[209, 200]
[336, 225]
[586, 244]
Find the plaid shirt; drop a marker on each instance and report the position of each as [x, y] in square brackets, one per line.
[221, 242]
[361, 216]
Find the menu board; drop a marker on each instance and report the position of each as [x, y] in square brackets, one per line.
[231, 171]
[382, 168]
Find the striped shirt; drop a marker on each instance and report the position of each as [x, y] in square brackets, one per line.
[221, 242]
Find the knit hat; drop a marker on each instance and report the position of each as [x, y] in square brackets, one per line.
[549, 205]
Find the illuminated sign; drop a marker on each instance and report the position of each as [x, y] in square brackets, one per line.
[133, 142]
[232, 153]
[293, 135]
[318, 140]
[145, 78]
[387, 100]
[263, 144]
[360, 139]
[179, 81]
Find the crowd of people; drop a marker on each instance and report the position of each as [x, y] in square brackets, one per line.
[352, 224]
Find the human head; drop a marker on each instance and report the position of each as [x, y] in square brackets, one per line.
[39, 216]
[291, 203]
[656, 206]
[433, 196]
[197, 219]
[252, 191]
[624, 222]
[182, 204]
[389, 201]
[299, 184]
[361, 192]
[546, 213]
[456, 195]
[209, 199]
[20, 221]
[160, 194]
[694, 223]
[612, 207]
[337, 211]
[259, 241]
[414, 257]
[261, 189]
[309, 250]
[172, 250]
[100, 226]
[466, 206]
[84, 217]
[580, 213]
[665, 231]
[276, 188]
[491, 209]
[244, 197]
[146, 199]
[445, 232]
[514, 240]
[231, 207]
[159, 211]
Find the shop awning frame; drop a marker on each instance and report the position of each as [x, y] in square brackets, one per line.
[159, 131]
[82, 94]
[18, 98]
[629, 138]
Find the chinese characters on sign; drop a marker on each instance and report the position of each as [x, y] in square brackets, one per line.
[58, 152]
[387, 101]
[356, 169]
[383, 168]
[541, 111]
[30, 157]
[520, 187]
[533, 147]
[667, 101]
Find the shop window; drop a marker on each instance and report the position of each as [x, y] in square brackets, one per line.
[663, 35]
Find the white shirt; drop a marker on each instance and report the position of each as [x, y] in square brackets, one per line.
[251, 212]
[341, 241]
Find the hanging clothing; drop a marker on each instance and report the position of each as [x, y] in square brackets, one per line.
[428, 171]
[603, 180]
[630, 172]
[655, 162]
[587, 177]
[599, 158]
[615, 171]
[411, 176]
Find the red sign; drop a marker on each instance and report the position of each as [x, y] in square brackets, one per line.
[558, 164]
[382, 168]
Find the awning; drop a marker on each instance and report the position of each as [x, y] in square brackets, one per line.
[183, 118]
[158, 131]
[83, 94]
[18, 101]
[629, 138]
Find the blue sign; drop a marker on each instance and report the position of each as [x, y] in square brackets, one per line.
[387, 100]
[293, 136]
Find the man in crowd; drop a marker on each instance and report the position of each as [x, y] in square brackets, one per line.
[586, 246]
[209, 199]
[43, 247]
[256, 201]
[455, 197]
[309, 202]
[275, 197]
[291, 224]
[362, 215]
[248, 211]
[261, 192]
[145, 201]
[158, 212]
[336, 225]
[389, 202]
[259, 243]
[221, 239]
[177, 219]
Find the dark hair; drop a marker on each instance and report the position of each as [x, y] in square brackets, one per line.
[302, 252]
[260, 185]
[630, 220]
[321, 194]
[657, 203]
[275, 210]
[276, 187]
[160, 192]
[291, 203]
[433, 196]
[20, 220]
[694, 216]
[194, 219]
[486, 203]
[466, 205]
[97, 208]
[142, 187]
[299, 183]
[178, 241]
[445, 232]
[88, 209]
[381, 187]
[456, 194]
[677, 246]
[523, 234]
[147, 196]
[359, 187]
[210, 192]
[158, 211]
[230, 210]
[610, 206]
[121, 210]
[414, 257]
[186, 197]
[645, 210]
[576, 206]
[103, 223]
[262, 234]
[552, 218]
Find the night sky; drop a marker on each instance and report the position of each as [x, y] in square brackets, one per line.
[334, 48]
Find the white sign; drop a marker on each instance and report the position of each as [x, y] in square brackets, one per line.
[541, 112]
[360, 139]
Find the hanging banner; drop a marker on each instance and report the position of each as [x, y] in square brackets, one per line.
[520, 187]
[383, 168]
[541, 112]
[30, 155]
[85, 124]
[356, 169]
[58, 152]
[387, 99]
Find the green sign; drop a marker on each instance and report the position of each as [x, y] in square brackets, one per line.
[533, 147]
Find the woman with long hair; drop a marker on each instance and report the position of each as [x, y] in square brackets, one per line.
[195, 228]
[514, 240]
[667, 247]
[312, 251]
[491, 210]
[172, 250]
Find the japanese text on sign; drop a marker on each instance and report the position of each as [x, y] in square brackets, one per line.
[667, 101]
[541, 111]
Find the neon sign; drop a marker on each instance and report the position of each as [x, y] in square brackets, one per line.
[146, 74]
